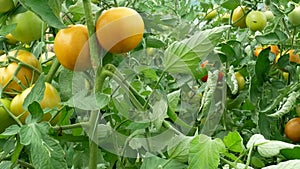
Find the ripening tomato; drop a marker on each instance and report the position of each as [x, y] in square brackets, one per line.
[51, 99]
[71, 48]
[240, 79]
[120, 29]
[274, 49]
[25, 76]
[292, 129]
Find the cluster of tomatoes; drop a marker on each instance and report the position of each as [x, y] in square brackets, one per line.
[257, 20]
[118, 30]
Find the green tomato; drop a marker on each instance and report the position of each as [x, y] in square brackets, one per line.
[211, 14]
[294, 16]
[29, 27]
[5, 119]
[269, 15]
[6, 5]
[256, 20]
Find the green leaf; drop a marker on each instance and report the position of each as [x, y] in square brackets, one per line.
[262, 65]
[36, 112]
[45, 152]
[231, 4]
[184, 56]
[272, 38]
[234, 142]
[88, 102]
[205, 152]
[36, 93]
[173, 100]
[152, 161]
[45, 12]
[6, 29]
[178, 148]
[291, 154]
[154, 43]
[291, 164]
[11, 130]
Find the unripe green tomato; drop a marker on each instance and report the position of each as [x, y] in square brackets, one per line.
[239, 16]
[256, 20]
[241, 80]
[5, 119]
[269, 15]
[29, 26]
[6, 5]
[211, 14]
[294, 16]
[225, 17]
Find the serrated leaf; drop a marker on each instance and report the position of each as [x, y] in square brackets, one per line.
[291, 164]
[11, 130]
[178, 148]
[45, 152]
[44, 11]
[205, 152]
[234, 142]
[184, 56]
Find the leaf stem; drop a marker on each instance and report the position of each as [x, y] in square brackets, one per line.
[53, 69]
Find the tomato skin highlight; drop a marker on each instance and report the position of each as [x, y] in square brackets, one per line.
[294, 16]
[51, 99]
[119, 29]
[292, 129]
[71, 48]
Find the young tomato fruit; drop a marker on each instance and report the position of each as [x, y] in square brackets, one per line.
[256, 21]
[71, 48]
[240, 79]
[120, 29]
[6, 5]
[51, 99]
[5, 119]
[29, 27]
[239, 16]
[294, 16]
[292, 129]
[26, 76]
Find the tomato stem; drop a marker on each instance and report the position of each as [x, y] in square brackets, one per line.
[54, 67]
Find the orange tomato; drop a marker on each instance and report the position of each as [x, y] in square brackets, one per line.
[258, 49]
[71, 48]
[120, 29]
